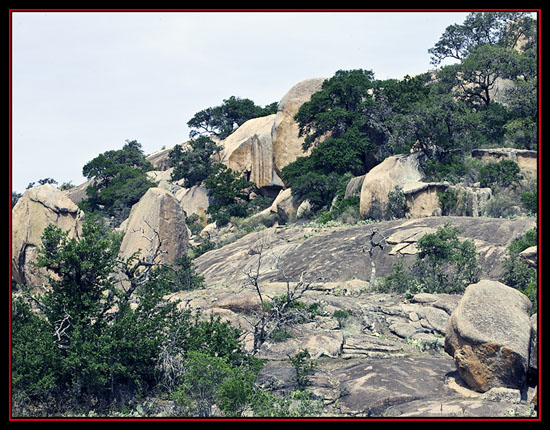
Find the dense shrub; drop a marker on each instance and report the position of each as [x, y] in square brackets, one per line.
[517, 273]
[90, 344]
[444, 264]
[504, 173]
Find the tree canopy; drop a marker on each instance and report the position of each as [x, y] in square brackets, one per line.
[119, 181]
[221, 121]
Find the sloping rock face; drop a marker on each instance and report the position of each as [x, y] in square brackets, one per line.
[385, 359]
[336, 254]
[489, 336]
[35, 210]
[157, 221]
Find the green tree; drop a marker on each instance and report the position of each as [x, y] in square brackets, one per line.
[229, 191]
[481, 28]
[119, 181]
[221, 121]
[193, 165]
[86, 346]
[338, 107]
[504, 173]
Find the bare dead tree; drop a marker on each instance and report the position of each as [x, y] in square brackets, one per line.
[137, 270]
[281, 311]
[376, 240]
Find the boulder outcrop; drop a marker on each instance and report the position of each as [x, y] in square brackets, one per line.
[35, 210]
[489, 336]
[262, 146]
[287, 144]
[395, 171]
[156, 223]
[249, 149]
[421, 198]
[194, 200]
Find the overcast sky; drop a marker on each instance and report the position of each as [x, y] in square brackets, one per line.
[85, 82]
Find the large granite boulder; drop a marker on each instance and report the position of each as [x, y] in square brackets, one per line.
[249, 149]
[396, 171]
[156, 222]
[35, 210]
[489, 336]
[194, 200]
[287, 144]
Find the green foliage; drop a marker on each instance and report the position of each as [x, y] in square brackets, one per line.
[530, 201]
[304, 367]
[444, 264]
[517, 273]
[345, 210]
[397, 207]
[341, 316]
[229, 191]
[120, 180]
[478, 29]
[95, 353]
[210, 380]
[221, 121]
[194, 165]
[88, 347]
[521, 244]
[504, 173]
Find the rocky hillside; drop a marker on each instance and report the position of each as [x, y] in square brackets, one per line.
[376, 354]
[387, 357]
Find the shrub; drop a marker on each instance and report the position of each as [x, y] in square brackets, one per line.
[195, 164]
[517, 273]
[505, 173]
[120, 180]
[443, 264]
[341, 316]
[229, 192]
[397, 207]
[87, 347]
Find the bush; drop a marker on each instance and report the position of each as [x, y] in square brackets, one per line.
[345, 210]
[120, 180]
[194, 165]
[229, 192]
[397, 207]
[443, 264]
[505, 173]
[89, 348]
[517, 273]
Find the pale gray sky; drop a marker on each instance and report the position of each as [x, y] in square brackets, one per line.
[84, 82]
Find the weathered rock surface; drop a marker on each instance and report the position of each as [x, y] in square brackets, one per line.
[249, 149]
[35, 210]
[287, 144]
[194, 200]
[527, 160]
[387, 357]
[421, 198]
[336, 254]
[365, 367]
[157, 221]
[398, 170]
[489, 336]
